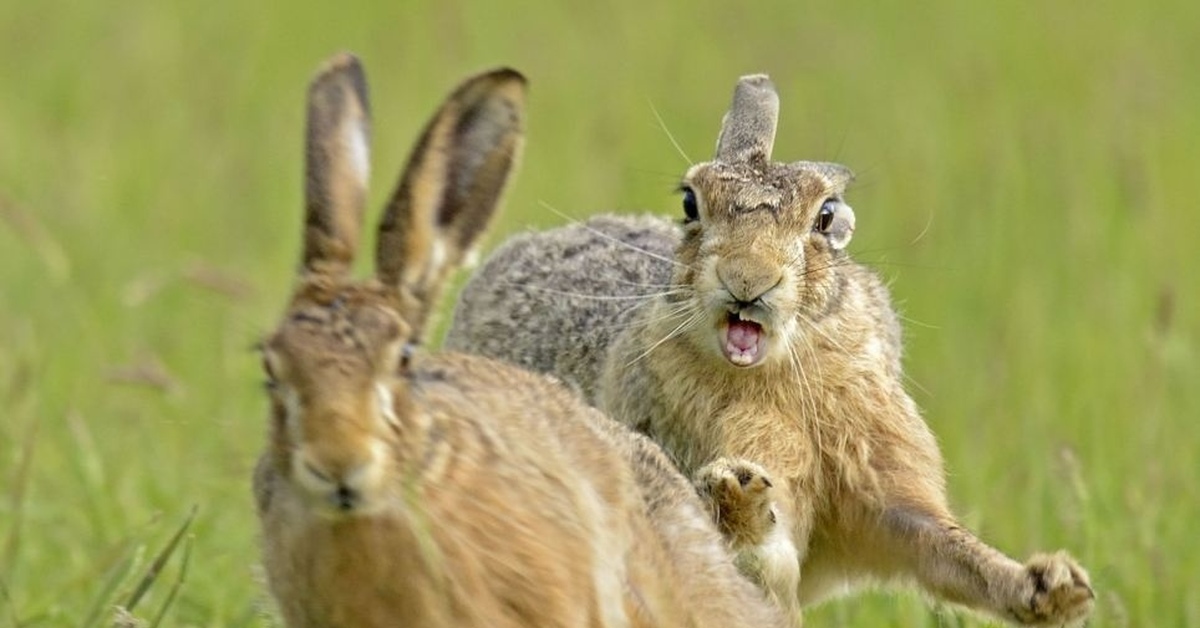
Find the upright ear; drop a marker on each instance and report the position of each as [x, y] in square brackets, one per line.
[450, 189]
[748, 130]
[337, 167]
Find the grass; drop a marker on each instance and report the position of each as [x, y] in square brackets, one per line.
[1027, 183]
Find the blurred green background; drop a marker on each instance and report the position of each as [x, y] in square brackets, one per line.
[1027, 183]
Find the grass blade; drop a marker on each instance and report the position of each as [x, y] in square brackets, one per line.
[159, 561]
[116, 574]
[9, 604]
[17, 500]
[179, 580]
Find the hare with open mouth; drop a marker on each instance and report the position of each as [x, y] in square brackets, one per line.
[404, 488]
[746, 333]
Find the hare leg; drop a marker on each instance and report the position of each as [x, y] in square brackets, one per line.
[740, 498]
[953, 564]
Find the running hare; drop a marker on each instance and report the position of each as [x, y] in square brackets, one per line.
[747, 333]
[400, 488]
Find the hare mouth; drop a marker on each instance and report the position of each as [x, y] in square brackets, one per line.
[743, 342]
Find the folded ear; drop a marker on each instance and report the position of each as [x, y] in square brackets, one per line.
[748, 129]
[337, 165]
[838, 176]
[450, 188]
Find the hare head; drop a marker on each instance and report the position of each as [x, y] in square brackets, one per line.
[336, 364]
[762, 239]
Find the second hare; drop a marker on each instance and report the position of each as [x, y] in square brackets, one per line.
[405, 488]
[746, 333]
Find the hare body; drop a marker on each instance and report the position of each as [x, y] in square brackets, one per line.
[756, 338]
[521, 509]
[402, 488]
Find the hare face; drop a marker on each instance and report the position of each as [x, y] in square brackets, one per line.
[761, 245]
[330, 369]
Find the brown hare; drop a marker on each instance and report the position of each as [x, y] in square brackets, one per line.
[746, 333]
[403, 488]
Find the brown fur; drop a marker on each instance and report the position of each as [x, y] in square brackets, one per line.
[405, 489]
[858, 481]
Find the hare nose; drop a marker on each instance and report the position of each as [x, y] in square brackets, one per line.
[747, 281]
[342, 483]
[344, 498]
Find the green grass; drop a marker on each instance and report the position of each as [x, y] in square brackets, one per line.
[1028, 182]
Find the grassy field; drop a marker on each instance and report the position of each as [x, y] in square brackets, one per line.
[1028, 184]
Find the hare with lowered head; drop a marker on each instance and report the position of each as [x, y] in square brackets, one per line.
[747, 334]
[400, 488]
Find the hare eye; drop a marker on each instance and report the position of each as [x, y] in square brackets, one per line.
[271, 381]
[825, 216]
[690, 211]
[406, 355]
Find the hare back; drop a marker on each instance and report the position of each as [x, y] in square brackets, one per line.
[516, 508]
[553, 301]
[676, 568]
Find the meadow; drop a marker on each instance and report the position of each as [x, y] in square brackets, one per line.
[1028, 183]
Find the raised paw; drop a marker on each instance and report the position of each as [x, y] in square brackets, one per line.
[738, 495]
[1062, 593]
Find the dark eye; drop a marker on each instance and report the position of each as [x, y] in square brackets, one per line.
[406, 355]
[690, 211]
[271, 382]
[825, 216]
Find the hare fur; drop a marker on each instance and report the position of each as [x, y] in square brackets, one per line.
[746, 334]
[405, 488]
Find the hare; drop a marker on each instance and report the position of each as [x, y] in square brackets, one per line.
[746, 333]
[403, 488]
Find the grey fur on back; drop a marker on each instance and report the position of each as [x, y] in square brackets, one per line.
[757, 348]
[602, 271]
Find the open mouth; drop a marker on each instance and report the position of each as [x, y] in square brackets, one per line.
[744, 344]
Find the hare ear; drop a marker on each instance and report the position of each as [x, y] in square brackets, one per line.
[836, 175]
[450, 189]
[337, 152]
[748, 130]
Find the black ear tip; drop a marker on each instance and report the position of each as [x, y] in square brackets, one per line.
[498, 90]
[505, 73]
[341, 64]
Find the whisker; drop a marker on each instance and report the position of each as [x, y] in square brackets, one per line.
[642, 322]
[678, 310]
[918, 323]
[811, 327]
[696, 316]
[802, 375]
[908, 378]
[615, 239]
[595, 297]
[880, 263]
[663, 125]
[820, 420]
[638, 284]
[924, 230]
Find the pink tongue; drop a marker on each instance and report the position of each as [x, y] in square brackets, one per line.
[743, 335]
[742, 342]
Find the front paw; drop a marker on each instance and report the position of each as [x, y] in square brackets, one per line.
[738, 495]
[1061, 594]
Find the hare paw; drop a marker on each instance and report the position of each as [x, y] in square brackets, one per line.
[1062, 592]
[738, 495]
